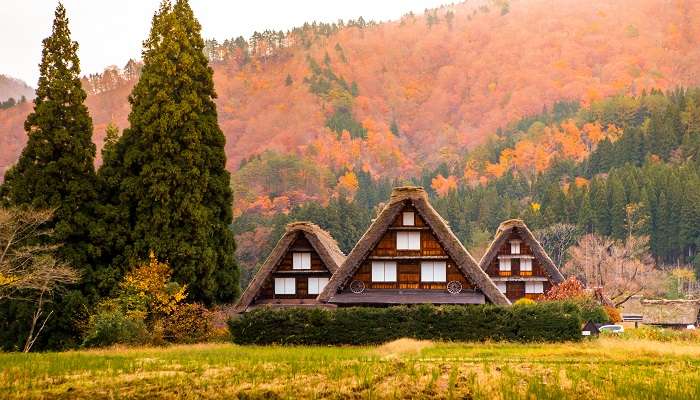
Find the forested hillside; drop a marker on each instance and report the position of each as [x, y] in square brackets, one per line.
[411, 93]
[322, 120]
[621, 167]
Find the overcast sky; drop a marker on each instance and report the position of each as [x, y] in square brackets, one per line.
[111, 31]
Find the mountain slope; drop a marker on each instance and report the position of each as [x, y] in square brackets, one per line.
[443, 81]
[15, 88]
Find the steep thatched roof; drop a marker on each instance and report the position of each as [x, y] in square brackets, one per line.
[417, 197]
[502, 234]
[324, 244]
[663, 312]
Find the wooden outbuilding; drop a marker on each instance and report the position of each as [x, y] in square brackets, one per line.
[409, 255]
[296, 271]
[518, 264]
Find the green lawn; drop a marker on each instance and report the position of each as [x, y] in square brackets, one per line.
[605, 368]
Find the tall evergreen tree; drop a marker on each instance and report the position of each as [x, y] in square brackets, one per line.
[56, 171]
[171, 162]
[618, 205]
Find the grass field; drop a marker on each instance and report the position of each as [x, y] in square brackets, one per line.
[606, 368]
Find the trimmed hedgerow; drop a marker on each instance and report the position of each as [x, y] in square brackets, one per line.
[550, 321]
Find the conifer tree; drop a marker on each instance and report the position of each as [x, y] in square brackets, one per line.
[55, 169]
[171, 162]
[618, 205]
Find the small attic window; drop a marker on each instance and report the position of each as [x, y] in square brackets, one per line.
[409, 218]
[301, 261]
[515, 247]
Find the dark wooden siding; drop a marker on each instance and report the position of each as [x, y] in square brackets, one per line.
[408, 277]
[408, 262]
[537, 269]
[516, 290]
[284, 270]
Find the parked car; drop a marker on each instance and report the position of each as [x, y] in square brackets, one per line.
[612, 328]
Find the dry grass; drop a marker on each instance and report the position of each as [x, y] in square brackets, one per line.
[402, 347]
[601, 369]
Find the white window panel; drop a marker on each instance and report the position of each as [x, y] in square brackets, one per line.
[301, 261]
[433, 271]
[440, 271]
[285, 285]
[316, 285]
[408, 240]
[426, 271]
[390, 271]
[526, 264]
[383, 271]
[534, 288]
[504, 264]
[501, 286]
[515, 247]
[409, 218]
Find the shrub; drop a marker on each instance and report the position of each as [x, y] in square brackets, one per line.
[552, 321]
[570, 289]
[109, 327]
[591, 310]
[188, 323]
[524, 302]
[148, 308]
[613, 314]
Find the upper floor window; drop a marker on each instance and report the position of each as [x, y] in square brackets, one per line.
[301, 261]
[383, 271]
[526, 265]
[285, 285]
[407, 240]
[316, 285]
[504, 264]
[515, 247]
[433, 271]
[409, 218]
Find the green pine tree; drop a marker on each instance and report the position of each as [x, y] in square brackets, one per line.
[56, 171]
[618, 204]
[174, 187]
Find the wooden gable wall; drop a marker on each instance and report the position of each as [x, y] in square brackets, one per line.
[515, 289]
[284, 270]
[409, 261]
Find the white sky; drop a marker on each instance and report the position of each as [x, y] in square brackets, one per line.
[111, 31]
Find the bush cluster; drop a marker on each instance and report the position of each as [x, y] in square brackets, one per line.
[148, 309]
[550, 321]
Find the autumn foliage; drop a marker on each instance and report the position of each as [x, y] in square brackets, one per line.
[149, 309]
[570, 289]
[423, 89]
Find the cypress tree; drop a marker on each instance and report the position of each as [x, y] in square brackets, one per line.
[56, 171]
[618, 205]
[173, 183]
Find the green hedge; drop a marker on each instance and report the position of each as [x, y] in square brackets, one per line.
[551, 321]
